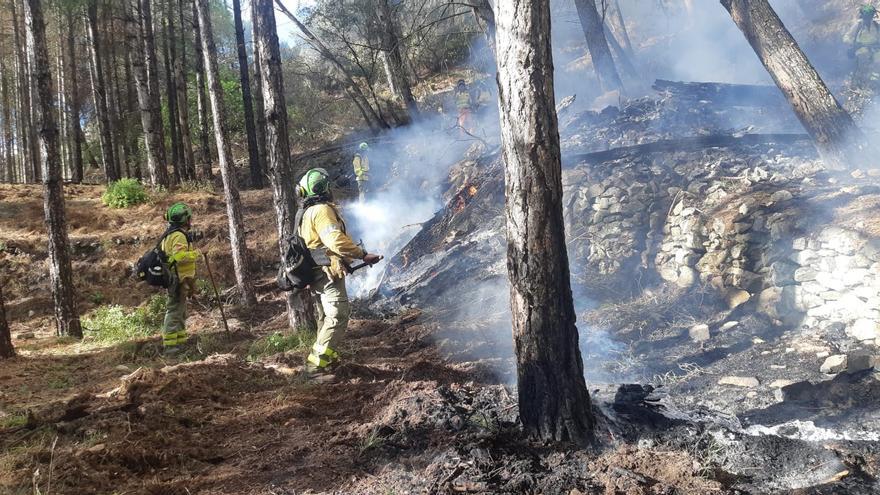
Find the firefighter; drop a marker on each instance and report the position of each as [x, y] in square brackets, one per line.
[323, 229]
[361, 164]
[465, 104]
[864, 41]
[177, 246]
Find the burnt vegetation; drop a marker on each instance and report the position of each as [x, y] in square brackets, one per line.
[631, 247]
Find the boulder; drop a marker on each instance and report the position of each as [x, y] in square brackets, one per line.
[739, 381]
[864, 329]
[860, 360]
[834, 364]
[736, 297]
[687, 277]
[699, 333]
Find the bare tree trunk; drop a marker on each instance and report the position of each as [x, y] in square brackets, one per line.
[188, 159]
[60, 273]
[6, 349]
[554, 403]
[240, 258]
[259, 105]
[202, 102]
[141, 49]
[486, 20]
[114, 97]
[30, 164]
[253, 152]
[74, 128]
[132, 113]
[8, 136]
[170, 92]
[99, 93]
[391, 46]
[374, 120]
[838, 140]
[62, 96]
[594, 31]
[299, 310]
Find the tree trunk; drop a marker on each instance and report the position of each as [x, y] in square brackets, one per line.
[74, 130]
[170, 93]
[553, 400]
[374, 120]
[391, 46]
[61, 96]
[99, 93]
[253, 152]
[189, 163]
[114, 97]
[840, 143]
[257, 89]
[240, 257]
[6, 349]
[267, 51]
[132, 112]
[486, 20]
[60, 273]
[7, 124]
[594, 31]
[29, 161]
[202, 102]
[141, 49]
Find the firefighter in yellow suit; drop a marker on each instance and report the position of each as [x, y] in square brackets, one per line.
[323, 229]
[182, 264]
[361, 165]
[864, 41]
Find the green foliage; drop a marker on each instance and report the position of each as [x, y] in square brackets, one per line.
[113, 324]
[125, 193]
[279, 342]
[13, 420]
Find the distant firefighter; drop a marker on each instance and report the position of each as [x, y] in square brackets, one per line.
[864, 41]
[464, 102]
[361, 164]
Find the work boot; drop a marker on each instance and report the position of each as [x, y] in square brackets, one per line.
[171, 351]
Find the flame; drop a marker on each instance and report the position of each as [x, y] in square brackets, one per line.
[472, 190]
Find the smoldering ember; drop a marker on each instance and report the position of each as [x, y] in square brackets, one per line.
[429, 246]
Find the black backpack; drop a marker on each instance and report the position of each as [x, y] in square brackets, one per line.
[296, 271]
[153, 267]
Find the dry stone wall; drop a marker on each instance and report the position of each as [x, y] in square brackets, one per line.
[759, 225]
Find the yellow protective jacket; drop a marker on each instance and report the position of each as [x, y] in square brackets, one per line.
[863, 35]
[361, 164]
[181, 254]
[463, 100]
[322, 228]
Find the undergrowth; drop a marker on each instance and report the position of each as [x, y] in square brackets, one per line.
[114, 324]
[279, 342]
[125, 193]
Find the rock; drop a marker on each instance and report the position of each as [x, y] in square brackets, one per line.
[25, 335]
[780, 196]
[739, 381]
[805, 274]
[864, 329]
[687, 277]
[727, 326]
[799, 244]
[736, 297]
[122, 367]
[834, 364]
[699, 333]
[822, 354]
[97, 448]
[860, 360]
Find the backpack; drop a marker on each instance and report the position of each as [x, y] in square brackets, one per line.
[153, 267]
[296, 271]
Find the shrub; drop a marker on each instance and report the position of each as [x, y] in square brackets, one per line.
[112, 323]
[279, 342]
[124, 193]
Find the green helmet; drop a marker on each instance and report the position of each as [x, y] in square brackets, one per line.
[179, 213]
[867, 10]
[315, 182]
[363, 146]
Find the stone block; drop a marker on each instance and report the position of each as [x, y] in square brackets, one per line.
[739, 381]
[864, 329]
[860, 360]
[736, 297]
[805, 274]
[834, 364]
[699, 333]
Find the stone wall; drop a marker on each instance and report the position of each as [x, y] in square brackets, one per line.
[759, 225]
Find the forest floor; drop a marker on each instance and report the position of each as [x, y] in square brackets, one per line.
[233, 414]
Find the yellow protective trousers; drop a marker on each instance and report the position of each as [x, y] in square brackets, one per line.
[334, 311]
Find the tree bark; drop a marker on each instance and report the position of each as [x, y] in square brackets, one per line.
[60, 273]
[6, 349]
[99, 93]
[250, 131]
[29, 161]
[114, 97]
[299, 310]
[594, 31]
[74, 128]
[553, 400]
[189, 163]
[486, 20]
[170, 93]
[142, 49]
[7, 124]
[391, 46]
[202, 102]
[259, 105]
[374, 120]
[240, 257]
[840, 143]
